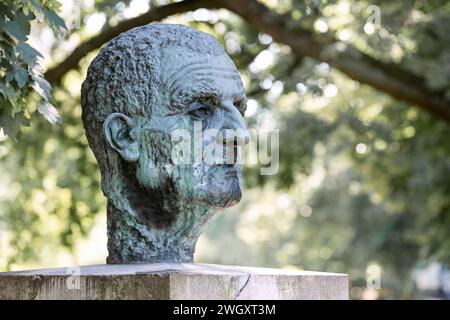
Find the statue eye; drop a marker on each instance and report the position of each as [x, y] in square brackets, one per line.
[200, 112]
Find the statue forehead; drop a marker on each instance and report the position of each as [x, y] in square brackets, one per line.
[177, 62]
[175, 58]
[181, 68]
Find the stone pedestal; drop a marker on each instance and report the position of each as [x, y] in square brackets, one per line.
[172, 281]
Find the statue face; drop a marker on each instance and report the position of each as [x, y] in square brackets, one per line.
[202, 97]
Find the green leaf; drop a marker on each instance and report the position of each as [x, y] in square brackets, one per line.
[7, 10]
[28, 53]
[9, 76]
[50, 15]
[41, 86]
[7, 52]
[7, 92]
[21, 76]
[54, 20]
[49, 112]
[9, 122]
[18, 28]
[6, 108]
[2, 16]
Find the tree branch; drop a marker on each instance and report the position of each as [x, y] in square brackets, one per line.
[55, 74]
[385, 77]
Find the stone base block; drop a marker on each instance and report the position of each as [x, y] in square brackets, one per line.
[172, 281]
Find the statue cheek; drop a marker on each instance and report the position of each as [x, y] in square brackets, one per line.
[148, 173]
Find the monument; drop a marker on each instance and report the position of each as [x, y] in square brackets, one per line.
[142, 87]
[162, 106]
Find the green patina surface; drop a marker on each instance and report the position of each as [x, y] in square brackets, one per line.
[142, 87]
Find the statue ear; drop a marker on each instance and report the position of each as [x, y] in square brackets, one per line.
[120, 132]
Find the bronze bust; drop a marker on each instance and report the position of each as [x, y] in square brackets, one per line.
[143, 86]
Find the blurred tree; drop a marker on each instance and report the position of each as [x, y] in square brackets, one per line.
[19, 69]
[363, 172]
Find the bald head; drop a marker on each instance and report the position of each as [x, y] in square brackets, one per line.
[144, 87]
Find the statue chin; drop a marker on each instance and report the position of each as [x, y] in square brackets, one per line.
[223, 187]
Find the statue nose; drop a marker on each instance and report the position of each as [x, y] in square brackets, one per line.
[234, 129]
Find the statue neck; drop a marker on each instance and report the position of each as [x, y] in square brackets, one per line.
[132, 239]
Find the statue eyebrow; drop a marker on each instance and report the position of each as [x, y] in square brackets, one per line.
[200, 90]
[213, 95]
[206, 90]
[182, 100]
[203, 82]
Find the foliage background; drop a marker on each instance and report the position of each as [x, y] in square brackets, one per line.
[364, 179]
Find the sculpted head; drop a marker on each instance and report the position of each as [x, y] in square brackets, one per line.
[143, 88]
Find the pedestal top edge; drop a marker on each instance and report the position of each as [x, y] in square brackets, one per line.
[196, 268]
